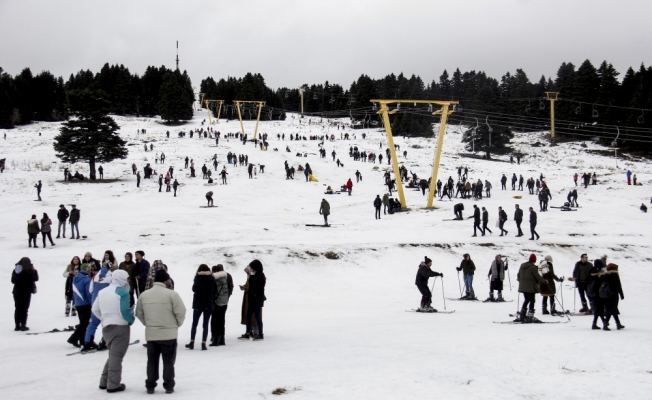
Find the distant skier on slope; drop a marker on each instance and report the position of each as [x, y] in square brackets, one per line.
[423, 274]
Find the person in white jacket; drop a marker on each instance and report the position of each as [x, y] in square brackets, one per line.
[113, 308]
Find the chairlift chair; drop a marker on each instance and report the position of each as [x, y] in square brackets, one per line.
[578, 110]
[542, 105]
[594, 112]
[641, 118]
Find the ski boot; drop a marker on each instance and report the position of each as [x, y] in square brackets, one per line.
[584, 309]
[530, 318]
[491, 297]
[89, 346]
[500, 297]
[520, 316]
[67, 309]
[466, 296]
[472, 296]
[102, 345]
[544, 307]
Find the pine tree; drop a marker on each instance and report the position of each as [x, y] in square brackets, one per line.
[91, 137]
[175, 105]
[500, 137]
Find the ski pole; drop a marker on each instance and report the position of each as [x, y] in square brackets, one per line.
[562, 308]
[574, 298]
[562, 292]
[458, 283]
[518, 301]
[509, 276]
[442, 292]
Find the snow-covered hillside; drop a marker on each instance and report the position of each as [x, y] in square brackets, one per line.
[334, 328]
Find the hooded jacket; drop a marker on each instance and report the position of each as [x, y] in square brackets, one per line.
[80, 289]
[112, 305]
[424, 273]
[257, 281]
[32, 226]
[223, 288]
[23, 281]
[203, 291]
[100, 281]
[529, 279]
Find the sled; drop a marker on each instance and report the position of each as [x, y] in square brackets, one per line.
[311, 178]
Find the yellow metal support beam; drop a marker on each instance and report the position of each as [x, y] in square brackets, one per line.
[207, 102]
[445, 112]
[260, 108]
[552, 97]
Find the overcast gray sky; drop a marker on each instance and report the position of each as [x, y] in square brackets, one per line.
[292, 42]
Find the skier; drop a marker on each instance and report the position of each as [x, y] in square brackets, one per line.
[113, 309]
[581, 277]
[82, 296]
[223, 174]
[496, 277]
[24, 278]
[458, 208]
[528, 283]
[518, 218]
[476, 221]
[467, 266]
[485, 221]
[209, 198]
[533, 224]
[377, 204]
[423, 274]
[548, 290]
[325, 210]
[100, 281]
[69, 273]
[502, 218]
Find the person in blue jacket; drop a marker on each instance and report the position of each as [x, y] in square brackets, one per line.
[100, 281]
[82, 297]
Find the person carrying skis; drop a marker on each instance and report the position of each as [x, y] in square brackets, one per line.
[528, 283]
[423, 274]
[548, 290]
[496, 277]
[467, 266]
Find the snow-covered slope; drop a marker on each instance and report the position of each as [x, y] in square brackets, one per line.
[333, 328]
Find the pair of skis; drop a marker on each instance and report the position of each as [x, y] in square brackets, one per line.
[95, 350]
[55, 330]
[430, 312]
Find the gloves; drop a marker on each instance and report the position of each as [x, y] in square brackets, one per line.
[458, 269]
[622, 297]
[441, 274]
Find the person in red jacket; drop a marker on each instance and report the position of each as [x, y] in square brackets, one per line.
[349, 186]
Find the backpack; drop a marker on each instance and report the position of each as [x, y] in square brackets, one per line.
[605, 290]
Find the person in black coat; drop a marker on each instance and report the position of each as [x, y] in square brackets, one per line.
[476, 221]
[615, 291]
[202, 304]
[518, 218]
[458, 208]
[485, 221]
[255, 299]
[377, 204]
[533, 224]
[23, 277]
[502, 218]
[423, 274]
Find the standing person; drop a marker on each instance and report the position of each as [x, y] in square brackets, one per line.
[377, 204]
[385, 203]
[349, 186]
[129, 266]
[62, 216]
[46, 229]
[485, 221]
[160, 182]
[75, 216]
[629, 177]
[467, 266]
[175, 186]
[518, 218]
[223, 174]
[533, 224]
[325, 210]
[141, 270]
[548, 290]
[100, 281]
[203, 303]
[502, 218]
[496, 277]
[256, 299]
[503, 182]
[487, 188]
[528, 283]
[581, 277]
[575, 178]
[245, 304]
[138, 179]
[424, 273]
[113, 308]
[82, 296]
[162, 312]
[24, 278]
[101, 171]
[223, 291]
[476, 221]
[38, 187]
[520, 182]
[514, 180]
[69, 273]
[610, 290]
[33, 229]
[151, 274]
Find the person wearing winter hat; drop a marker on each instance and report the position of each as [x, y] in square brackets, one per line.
[256, 299]
[24, 278]
[528, 283]
[162, 312]
[468, 266]
[548, 290]
[113, 308]
[496, 277]
[424, 273]
[610, 290]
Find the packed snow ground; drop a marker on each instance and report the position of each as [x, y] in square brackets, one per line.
[333, 328]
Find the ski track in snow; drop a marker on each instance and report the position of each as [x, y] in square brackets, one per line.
[333, 328]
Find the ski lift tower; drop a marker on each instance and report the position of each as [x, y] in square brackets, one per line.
[238, 103]
[445, 111]
[552, 97]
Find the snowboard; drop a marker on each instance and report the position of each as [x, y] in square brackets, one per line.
[322, 226]
[431, 312]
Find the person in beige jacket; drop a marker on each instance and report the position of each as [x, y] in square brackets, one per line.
[162, 312]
